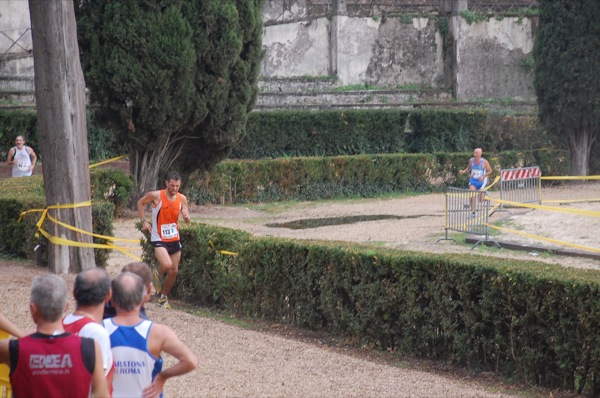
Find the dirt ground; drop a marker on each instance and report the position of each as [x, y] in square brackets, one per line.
[417, 223]
[277, 361]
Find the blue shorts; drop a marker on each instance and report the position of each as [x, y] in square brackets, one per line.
[478, 184]
[172, 247]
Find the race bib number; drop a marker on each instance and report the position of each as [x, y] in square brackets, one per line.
[476, 173]
[169, 231]
[23, 166]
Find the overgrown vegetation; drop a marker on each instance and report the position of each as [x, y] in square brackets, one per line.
[471, 17]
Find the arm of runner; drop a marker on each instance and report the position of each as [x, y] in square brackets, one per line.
[162, 338]
[185, 211]
[488, 169]
[150, 197]
[10, 328]
[11, 154]
[4, 352]
[467, 169]
[99, 383]
[33, 157]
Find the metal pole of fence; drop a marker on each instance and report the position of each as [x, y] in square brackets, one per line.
[466, 211]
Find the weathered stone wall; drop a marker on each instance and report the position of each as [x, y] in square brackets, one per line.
[297, 49]
[385, 44]
[489, 59]
[15, 35]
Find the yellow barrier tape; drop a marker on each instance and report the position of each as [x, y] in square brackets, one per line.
[125, 251]
[492, 184]
[571, 178]
[24, 213]
[493, 209]
[73, 206]
[570, 200]
[107, 161]
[112, 238]
[559, 209]
[226, 252]
[560, 242]
[68, 242]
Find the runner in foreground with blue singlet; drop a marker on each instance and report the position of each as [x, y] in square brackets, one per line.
[137, 344]
[479, 169]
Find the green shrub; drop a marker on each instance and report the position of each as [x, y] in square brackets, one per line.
[19, 234]
[102, 219]
[103, 143]
[112, 185]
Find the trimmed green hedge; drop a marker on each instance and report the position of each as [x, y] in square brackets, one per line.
[380, 131]
[323, 133]
[312, 178]
[527, 320]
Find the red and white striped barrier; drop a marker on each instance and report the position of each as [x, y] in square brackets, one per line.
[521, 185]
[519, 174]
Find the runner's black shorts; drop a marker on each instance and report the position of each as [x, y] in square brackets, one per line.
[172, 247]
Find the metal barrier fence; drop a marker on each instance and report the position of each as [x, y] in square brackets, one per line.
[467, 211]
[521, 185]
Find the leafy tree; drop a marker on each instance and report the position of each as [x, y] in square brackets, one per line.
[567, 62]
[175, 78]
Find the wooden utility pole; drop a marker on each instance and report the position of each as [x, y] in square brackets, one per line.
[60, 101]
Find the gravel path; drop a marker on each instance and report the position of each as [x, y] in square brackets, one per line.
[237, 362]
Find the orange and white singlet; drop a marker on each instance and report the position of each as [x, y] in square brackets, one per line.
[164, 219]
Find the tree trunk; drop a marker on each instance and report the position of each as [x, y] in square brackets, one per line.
[145, 169]
[581, 145]
[60, 100]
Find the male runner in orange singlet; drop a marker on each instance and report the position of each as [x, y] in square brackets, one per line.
[167, 204]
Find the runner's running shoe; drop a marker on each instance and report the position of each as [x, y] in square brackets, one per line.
[163, 301]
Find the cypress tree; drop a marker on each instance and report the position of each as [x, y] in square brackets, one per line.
[567, 66]
[175, 78]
